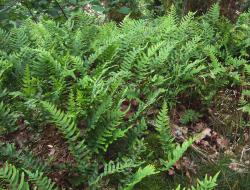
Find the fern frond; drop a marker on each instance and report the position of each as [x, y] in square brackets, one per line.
[129, 61]
[176, 154]
[151, 99]
[28, 87]
[186, 23]
[45, 65]
[70, 131]
[40, 181]
[72, 105]
[116, 167]
[4, 39]
[143, 68]
[18, 38]
[7, 119]
[65, 124]
[101, 109]
[107, 134]
[173, 14]
[4, 66]
[213, 13]
[209, 183]
[14, 177]
[140, 175]
[164, 130]
[23, 158]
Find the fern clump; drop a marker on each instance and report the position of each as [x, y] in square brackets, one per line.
[99, 85]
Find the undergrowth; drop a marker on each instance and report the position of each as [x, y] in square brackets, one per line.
[107, 88]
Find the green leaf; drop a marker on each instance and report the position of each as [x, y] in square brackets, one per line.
[124, 10]
[98, 8]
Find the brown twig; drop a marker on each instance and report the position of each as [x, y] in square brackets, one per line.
[60, 7]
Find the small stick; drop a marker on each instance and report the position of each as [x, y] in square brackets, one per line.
[58, 4]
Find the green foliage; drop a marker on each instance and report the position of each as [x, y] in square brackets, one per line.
[208, 183]
[164, 130]
[176, 154]
[40, 181]
[139, 175]
[14, 177]
[190, 116]
[7, 119]
[23, 158]
[112, 167]
[70, 131]
[100, 86]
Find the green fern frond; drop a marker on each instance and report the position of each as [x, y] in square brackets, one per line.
[186, 23]
[70, 131]
[23, 158]
[213, 13]
[28, 88]
[164, 130]
[40, 181]
[45, 65]
[143, 68]
[209, 183]
[72, 106]
[176, 154]
[7, 119]
[151, 99]
[119, 166]
[65, 124]
[107, 134]
[4, 39]
[4, 67]
[173, 14]
[129, 61]
[18, 38]
[101, 109]
[14, 177]
[140, 175]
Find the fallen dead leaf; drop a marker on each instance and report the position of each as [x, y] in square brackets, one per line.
[246, 137]
[222, 143]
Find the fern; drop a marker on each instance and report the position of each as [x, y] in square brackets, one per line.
[23, 158]
[4, 67]
[119, 166]
[18, 39]
[40, 181]
[143, 64]
[66, 126]
[206, 184]
[176, 154]
[14, 177]
[164, 130]
[151, 99]
[7, 119]
[28, 88]
[101, 109]
[140, 175]
[107, 134]
[214, 13]
[4, 39]
[95, 70]
[72, 134]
